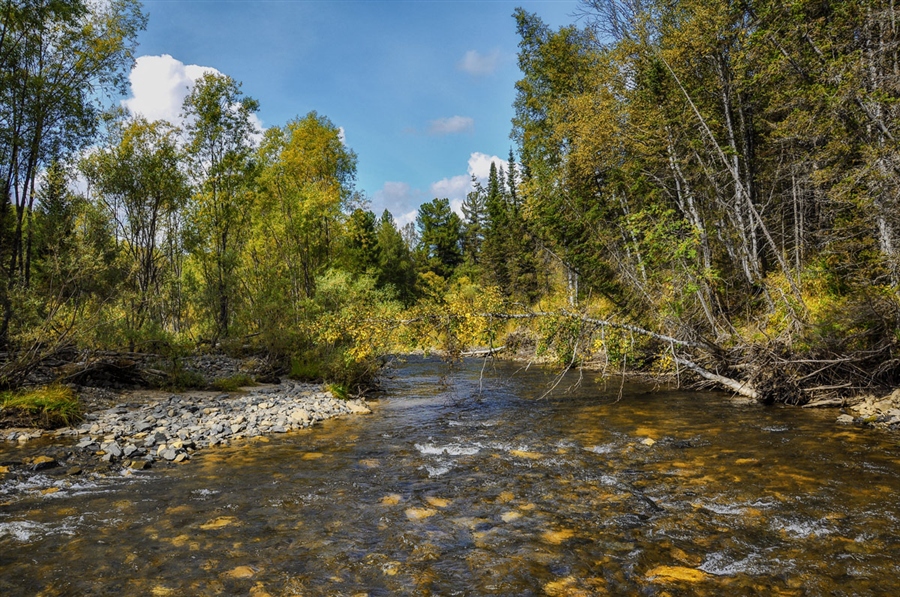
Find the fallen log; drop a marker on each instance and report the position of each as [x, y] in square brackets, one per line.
[486, 352]
[738, 387]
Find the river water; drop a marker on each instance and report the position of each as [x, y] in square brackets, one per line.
[471, 482]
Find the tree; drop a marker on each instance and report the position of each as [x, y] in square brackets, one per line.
[361, 248]
[57, 61]
[440, 231]
[395, 264]
[220, 150]
[473, 208]
[306, 182]
[138, 180]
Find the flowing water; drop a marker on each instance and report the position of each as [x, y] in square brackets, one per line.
[462, 486]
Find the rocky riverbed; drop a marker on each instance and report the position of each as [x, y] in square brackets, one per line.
[881, 411]
[171, 427]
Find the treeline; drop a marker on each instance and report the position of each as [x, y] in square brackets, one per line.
[726, 173]
[121, 233]
[701, 185]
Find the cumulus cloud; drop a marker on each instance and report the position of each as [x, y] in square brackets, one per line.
[455, 188]
[451, 126]
[403, 201]
[480, 165]
[159, 85]
[452, 188]
[478, 64]
[400, 199]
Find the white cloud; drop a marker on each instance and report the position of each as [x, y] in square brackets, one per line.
[451, 126]
[403, 201]
[477, 64]
[480, 165]
[400, 199]
[454, 188]
[159, 85]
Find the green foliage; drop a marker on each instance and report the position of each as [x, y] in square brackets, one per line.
[232, 383]
[220, 151]
[50, 406]
[440, 231]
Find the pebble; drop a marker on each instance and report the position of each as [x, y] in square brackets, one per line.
[172, 428]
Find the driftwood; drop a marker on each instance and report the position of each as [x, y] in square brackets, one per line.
[738, 387]
[486, 352]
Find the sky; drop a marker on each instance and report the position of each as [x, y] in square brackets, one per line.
[421, 89]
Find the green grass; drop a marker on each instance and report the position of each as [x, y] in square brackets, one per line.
[230, 384]
[50, 407]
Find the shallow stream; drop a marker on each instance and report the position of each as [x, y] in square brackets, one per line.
[466, 482]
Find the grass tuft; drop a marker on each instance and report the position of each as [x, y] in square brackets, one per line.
[50, 406]
[230, 384]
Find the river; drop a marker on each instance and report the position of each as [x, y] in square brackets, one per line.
[469, 481]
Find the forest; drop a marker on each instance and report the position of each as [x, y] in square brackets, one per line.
[698, 190]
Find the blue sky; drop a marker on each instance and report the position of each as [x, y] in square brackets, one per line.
[422, 89]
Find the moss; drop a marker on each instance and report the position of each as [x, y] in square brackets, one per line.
[49, 407]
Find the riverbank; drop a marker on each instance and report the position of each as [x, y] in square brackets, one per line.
[148, 427]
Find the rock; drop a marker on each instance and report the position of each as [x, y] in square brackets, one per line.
[42, 463]
[139, 465]
[420, 513]
[675, 573]
[358, 407]
[648, 441]
[129, 449]
[169, 454]
[845, 419]
[180, 457]
[75, 470]
[112, 449]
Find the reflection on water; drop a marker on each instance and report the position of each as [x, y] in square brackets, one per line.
[446, 491]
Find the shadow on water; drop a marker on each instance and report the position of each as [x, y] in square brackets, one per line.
[448, 490]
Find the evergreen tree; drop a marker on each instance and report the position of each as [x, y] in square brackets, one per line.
[497, 234]
[440, 231]
[473, 208]
[395, 264]
[361, 249]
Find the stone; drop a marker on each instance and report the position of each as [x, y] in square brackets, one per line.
[219, 523]
[129, 449]
[42, 463]
[670, 573]
[420, 513]
[112, 449]
[845, 419]
[75, 470]
[358, 407]
[557, 537]
[181, 457]
[648, 441]
[240, 572]
[169, 454]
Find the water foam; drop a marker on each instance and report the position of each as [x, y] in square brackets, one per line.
[447, 450]
[721, 564]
